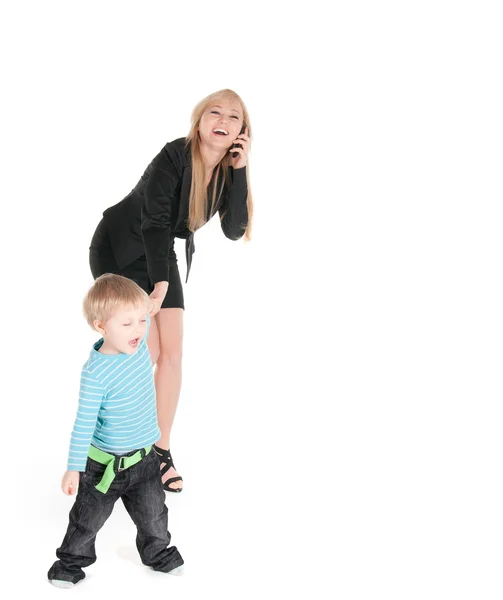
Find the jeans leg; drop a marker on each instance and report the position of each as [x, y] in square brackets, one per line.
[87, 517]
[144, 501]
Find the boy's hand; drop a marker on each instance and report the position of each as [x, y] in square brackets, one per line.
[70, 482]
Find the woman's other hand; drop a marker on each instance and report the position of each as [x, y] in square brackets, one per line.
[242, 157]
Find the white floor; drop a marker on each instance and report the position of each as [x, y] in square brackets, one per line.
[340, 424]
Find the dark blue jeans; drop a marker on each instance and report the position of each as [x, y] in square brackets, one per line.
[141, 491]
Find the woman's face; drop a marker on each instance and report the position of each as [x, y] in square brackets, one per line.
[221, 123]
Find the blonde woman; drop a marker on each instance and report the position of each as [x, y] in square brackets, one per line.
[187, 183]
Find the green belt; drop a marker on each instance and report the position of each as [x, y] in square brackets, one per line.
[114, 464]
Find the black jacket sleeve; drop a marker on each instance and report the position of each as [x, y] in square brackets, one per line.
[234, 211]
[161, 193]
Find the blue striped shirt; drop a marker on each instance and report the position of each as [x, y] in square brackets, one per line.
[117, 410]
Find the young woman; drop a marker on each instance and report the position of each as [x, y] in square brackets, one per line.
[188, 182]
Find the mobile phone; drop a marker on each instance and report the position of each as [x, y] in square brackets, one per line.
[243, 129]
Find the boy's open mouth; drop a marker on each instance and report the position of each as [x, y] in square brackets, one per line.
[134, 343]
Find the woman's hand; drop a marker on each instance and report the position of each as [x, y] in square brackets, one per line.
[70, 482]
[157, 297]
[242, 157]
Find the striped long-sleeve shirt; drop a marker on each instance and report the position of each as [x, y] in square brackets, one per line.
[117, 410]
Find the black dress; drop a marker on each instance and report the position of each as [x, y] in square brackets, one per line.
[136, 237]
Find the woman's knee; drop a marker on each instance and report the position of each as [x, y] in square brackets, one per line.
[170, 357]
[170, 327]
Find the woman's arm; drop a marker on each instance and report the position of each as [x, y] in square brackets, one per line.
[156, 218]
[234, 211]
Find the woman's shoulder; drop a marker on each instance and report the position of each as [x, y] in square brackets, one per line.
[178, 145]
[175, 153]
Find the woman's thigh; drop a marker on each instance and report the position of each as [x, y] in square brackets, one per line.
[138, 272]
[102, 263]
[174, 297]
[101, 256]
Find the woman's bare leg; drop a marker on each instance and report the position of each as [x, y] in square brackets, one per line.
[168, 375]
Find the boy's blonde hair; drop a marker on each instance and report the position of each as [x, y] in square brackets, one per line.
[108, 294]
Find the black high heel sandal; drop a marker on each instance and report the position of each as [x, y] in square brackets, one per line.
[165, 457]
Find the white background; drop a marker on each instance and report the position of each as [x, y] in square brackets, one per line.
[339, 428]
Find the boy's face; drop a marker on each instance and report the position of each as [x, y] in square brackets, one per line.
[124, 331]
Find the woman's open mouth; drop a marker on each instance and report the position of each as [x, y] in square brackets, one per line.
[220, 132]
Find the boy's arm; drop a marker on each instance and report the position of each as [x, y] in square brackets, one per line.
[143, 341]
[148, 327]
[90, 399]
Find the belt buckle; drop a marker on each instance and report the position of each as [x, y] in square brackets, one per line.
[118, 467]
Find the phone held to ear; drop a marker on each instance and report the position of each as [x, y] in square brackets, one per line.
[235, 154]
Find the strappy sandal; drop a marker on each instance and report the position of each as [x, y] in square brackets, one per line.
[165, 457]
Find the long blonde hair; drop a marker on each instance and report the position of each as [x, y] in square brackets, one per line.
[198, 191]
